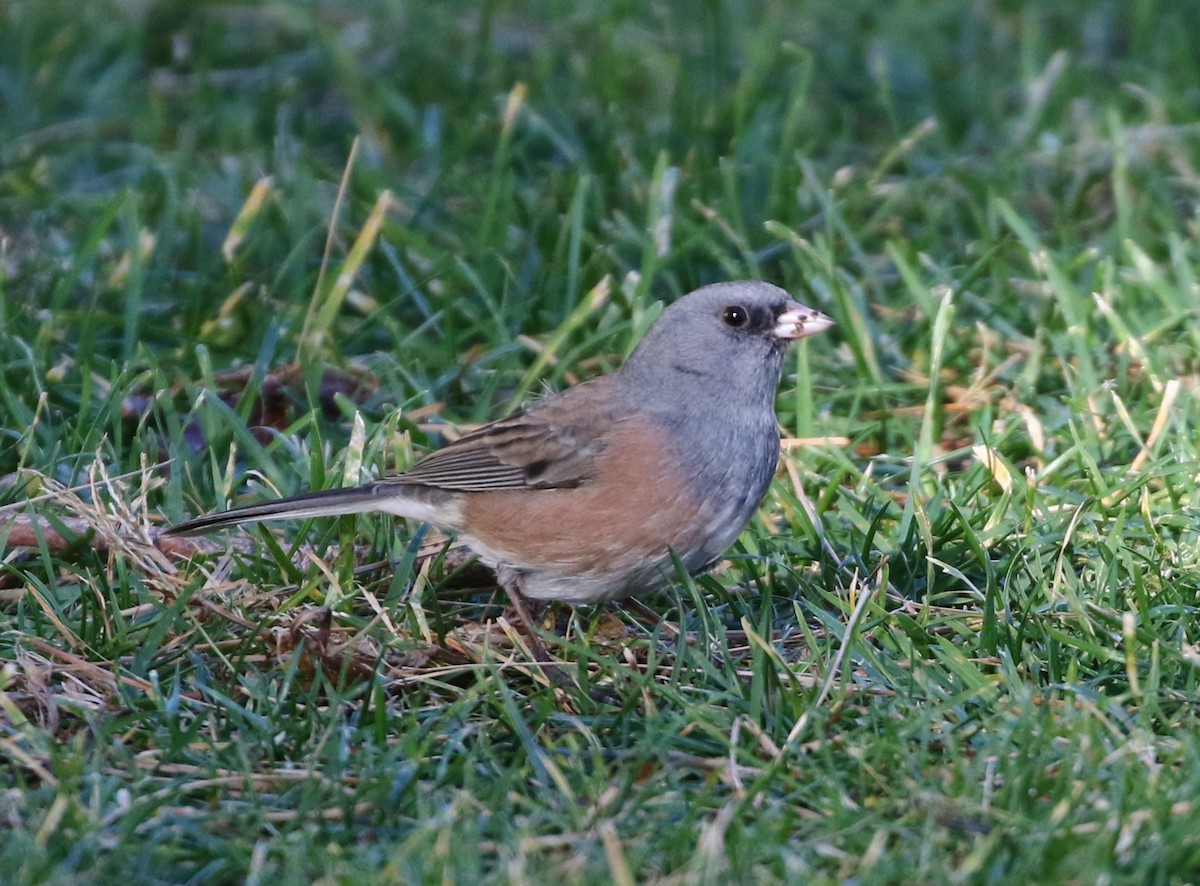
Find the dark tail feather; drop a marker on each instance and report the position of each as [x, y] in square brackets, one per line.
[330, 503]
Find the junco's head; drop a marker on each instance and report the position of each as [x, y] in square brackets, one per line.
[588, 494]
[726, 341]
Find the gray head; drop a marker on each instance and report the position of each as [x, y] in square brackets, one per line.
[721, 346]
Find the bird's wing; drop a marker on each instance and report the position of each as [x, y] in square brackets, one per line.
[553, 444]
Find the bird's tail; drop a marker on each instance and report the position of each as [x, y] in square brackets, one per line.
[330, 503]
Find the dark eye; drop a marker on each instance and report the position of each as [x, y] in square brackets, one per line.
[735, 316]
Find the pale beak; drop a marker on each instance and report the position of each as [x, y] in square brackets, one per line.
[798, 322]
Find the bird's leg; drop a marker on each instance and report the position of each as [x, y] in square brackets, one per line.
[522, 605]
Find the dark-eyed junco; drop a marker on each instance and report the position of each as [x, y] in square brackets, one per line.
[583, 496]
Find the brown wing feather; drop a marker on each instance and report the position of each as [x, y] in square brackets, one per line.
[553, 444]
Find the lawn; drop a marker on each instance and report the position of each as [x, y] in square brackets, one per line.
[252, 249]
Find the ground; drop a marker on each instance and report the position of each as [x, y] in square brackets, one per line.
[251, 249]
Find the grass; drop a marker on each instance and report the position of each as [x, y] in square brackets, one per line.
[958, 645]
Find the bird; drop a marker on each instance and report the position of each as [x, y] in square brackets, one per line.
[592, 494]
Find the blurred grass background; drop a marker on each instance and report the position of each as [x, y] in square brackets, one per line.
[959, 644]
